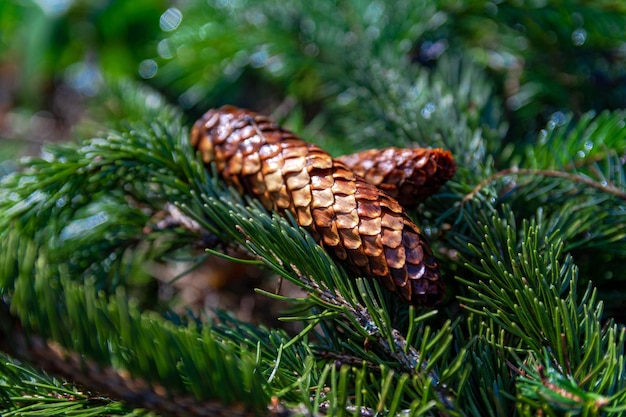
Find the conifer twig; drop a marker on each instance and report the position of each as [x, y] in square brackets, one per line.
[346, 359]
[546, 173]
[407, 357]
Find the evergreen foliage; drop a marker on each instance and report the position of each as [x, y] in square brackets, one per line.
[529, 234]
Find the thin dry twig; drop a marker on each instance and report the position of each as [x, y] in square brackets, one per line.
[609, 189]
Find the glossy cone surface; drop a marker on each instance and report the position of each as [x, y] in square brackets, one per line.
[408, 175]
[354, 220]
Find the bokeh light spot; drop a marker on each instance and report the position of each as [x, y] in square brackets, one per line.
[170, 19]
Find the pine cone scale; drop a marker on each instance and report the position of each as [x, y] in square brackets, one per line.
[369, 226]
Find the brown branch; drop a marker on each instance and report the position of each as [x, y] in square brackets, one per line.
[110, 383]
[609, 189]
[343, 359]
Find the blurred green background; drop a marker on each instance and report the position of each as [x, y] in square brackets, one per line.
[56, 56]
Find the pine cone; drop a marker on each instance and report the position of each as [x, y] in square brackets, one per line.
[354, 220]
[408, 175]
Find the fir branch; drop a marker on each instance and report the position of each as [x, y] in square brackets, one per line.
[113, 332]
[114, 384]
[163, 171]
[395, 345]
[529, 293]
[329, 287]
[560, 391]
[580, 195]
[25, 390]
[134, 355]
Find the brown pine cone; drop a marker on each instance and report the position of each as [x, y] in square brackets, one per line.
[354, 220]
[408, 175]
